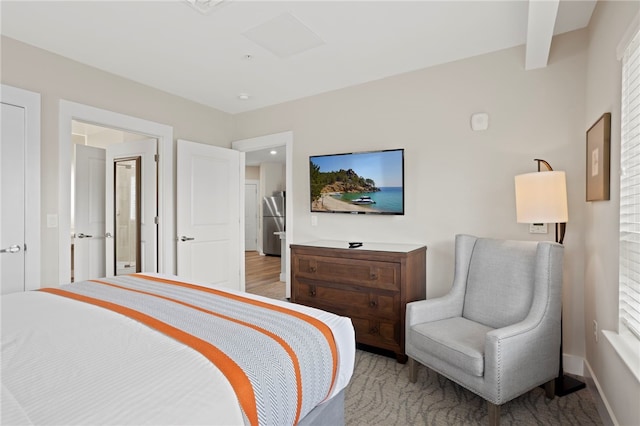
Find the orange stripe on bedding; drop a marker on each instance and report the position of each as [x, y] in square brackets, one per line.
[324, 329]
[238, 379]
[280, 340]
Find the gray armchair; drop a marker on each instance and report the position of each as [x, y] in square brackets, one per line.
[497, 332]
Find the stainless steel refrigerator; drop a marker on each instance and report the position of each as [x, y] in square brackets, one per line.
[273, 220]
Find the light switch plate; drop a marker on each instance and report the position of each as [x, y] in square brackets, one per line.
[52, 220]
[537, 228]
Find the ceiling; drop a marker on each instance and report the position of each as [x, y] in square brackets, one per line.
[270, 155]
[275, 52]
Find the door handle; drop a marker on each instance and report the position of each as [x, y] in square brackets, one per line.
[183, 238]
[11, 249]
[81, 235]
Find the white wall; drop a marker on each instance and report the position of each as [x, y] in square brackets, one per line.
[252, 172]
[56, 78]
[271, 178]
[622, 390]
[457, 180]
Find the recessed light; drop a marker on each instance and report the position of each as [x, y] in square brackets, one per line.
[243, 96]
[273, 152]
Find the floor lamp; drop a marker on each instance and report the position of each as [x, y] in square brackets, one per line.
[541, 197]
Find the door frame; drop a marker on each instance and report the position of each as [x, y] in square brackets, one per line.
[69, 111]
[30, 101]
[271, 141]
[136, 149]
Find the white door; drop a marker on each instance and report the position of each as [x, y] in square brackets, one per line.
[20, 190]
[89, 213]
[210, 246]
[146, 150]
[251, 216]
[12, 158]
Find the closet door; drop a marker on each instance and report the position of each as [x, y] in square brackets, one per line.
[12, 159]
[89, 230]
[20, 190]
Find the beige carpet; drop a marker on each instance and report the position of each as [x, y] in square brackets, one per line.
[380, 394]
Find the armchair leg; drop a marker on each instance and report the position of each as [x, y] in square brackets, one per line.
[550, 389]
[494, 414]
[413, 370]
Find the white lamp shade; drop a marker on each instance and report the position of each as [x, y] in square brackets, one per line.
[541, 197]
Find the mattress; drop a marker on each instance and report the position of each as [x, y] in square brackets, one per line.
[68, 362]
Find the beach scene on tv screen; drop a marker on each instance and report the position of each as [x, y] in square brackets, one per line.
[367, 182]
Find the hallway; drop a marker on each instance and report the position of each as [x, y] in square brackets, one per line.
[263, 275]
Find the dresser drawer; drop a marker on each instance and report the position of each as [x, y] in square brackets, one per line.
[346, 301]
[382, 334]
[365, 273]
[371, 286]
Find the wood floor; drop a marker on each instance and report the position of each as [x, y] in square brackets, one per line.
[263, 275]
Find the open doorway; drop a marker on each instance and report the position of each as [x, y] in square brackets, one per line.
[113, 202]
[69, 111]
[265, 221]
[258, 152]
[266, 170]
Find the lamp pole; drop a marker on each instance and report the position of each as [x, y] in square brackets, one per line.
[564, 384]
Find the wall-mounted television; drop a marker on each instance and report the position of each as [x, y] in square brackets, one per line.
[369, 182]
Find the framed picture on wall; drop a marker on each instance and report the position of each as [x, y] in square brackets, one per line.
[598, 153]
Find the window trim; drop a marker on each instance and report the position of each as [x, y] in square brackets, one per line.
[623, 341]
[632, 40]
[627, 346]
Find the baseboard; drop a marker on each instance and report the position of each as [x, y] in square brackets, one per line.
[604, 409]
[572, 364]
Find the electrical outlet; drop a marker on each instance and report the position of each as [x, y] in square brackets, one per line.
[595, 330]
[314, 220]
[537, 228]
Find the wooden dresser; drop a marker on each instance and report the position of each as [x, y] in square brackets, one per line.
[371, 284]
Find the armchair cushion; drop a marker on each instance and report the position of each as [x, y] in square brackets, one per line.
[457, 341]
[500, 282]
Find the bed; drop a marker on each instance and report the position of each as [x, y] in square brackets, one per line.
[155, 349]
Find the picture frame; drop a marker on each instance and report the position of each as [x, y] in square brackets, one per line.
[598, 159]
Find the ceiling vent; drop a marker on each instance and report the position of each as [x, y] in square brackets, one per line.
[284, 36]
[207, 6]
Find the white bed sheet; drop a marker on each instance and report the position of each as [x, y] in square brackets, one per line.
[137, 375]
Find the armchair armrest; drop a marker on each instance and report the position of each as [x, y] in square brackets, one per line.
[433, 309]
[521, 356]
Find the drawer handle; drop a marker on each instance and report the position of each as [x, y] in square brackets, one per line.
[312, 269]
[312, 292]
[373, 276]
[374, 330]
[373, 304]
